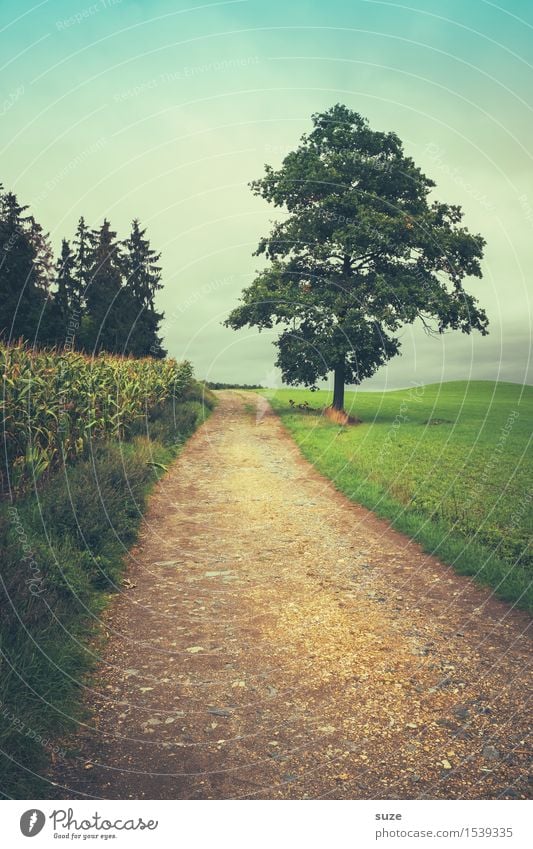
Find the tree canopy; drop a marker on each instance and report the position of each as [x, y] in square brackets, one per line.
[98, 295]
[361, 251]
[25, 268]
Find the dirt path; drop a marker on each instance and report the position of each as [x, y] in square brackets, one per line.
[280, 642]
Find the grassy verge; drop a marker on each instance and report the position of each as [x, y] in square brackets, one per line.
[447, 464]
[63, 549]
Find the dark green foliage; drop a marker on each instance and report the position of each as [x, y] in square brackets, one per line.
[110, 309]
[116, 285]
[100, 297]
[143, 279]
[61, 317]
[212, 385]
[62, 556]
[83, 264]
[25, 269]
[361, 252]
[66, 292]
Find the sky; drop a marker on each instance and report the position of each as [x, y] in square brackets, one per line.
[166, 110]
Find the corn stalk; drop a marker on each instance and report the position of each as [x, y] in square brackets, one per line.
[55, 404]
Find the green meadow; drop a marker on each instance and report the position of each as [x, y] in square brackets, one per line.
[448, 464]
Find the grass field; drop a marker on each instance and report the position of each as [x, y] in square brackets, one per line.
[447, 463]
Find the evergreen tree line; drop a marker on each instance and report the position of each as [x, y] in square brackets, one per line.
[97, 296]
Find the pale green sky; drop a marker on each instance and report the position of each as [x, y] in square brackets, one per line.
[167, 110]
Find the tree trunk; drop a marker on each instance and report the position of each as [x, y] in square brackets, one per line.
[338, 387]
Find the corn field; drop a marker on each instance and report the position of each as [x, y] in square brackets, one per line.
[54, 404]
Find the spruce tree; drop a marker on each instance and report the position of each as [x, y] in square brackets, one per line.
[63, 311]
[106, 320]
[25, 262]
[143, 281]
[65, 281]
[83, 263]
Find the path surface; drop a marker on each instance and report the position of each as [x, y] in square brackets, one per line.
[277, 641]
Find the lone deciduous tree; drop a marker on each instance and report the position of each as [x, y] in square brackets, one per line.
[361, 252]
